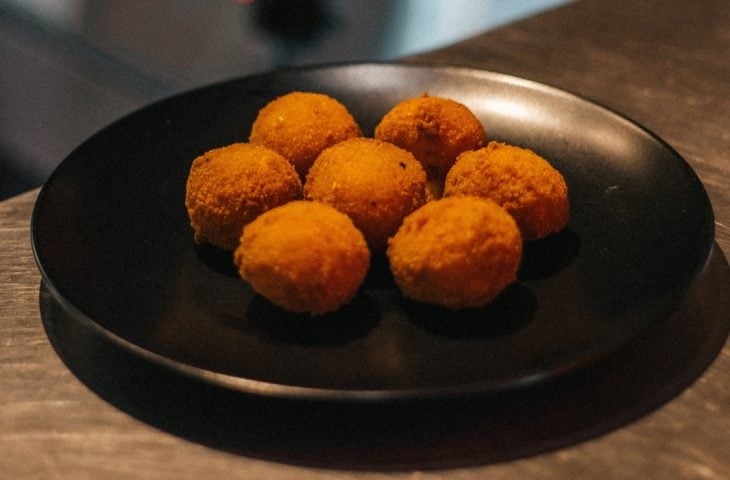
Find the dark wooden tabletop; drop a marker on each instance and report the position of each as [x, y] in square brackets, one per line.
[662, 63]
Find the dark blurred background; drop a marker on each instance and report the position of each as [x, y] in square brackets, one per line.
[70, 67]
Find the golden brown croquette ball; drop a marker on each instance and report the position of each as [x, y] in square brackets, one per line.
[521, 181]
[457, 252]
[299, 125]
[436, 130]
[373, 182]
[229, 186]
[305, 257]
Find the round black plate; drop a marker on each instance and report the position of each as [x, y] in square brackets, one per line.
[112, 239]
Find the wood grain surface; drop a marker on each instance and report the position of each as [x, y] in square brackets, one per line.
[661, 63]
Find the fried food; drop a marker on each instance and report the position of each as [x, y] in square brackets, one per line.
[457, 252]
[436, 130]
[229, 186]
[375, 183]
[303, 205]
[300, 125]
[305, 257]
[521, 181]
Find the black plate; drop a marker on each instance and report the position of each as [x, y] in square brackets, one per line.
[111, 236]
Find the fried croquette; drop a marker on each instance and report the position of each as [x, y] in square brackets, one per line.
[521, 181]
[375, 183]
[229, 186]
[457, 252]
[299, 125]
[305, 257]
[434, 129]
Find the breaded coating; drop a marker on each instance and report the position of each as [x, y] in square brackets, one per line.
[457, 252]
[229, 186]
[373, 182]
[436, 130]
[305, 257]
[521, 181]
[299, 125]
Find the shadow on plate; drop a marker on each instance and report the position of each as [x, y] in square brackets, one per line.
[379, 276]
[273, 324]
[507, 313]
[217, 259]
[545, 257]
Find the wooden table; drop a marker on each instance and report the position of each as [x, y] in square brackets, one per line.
[663, 63]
